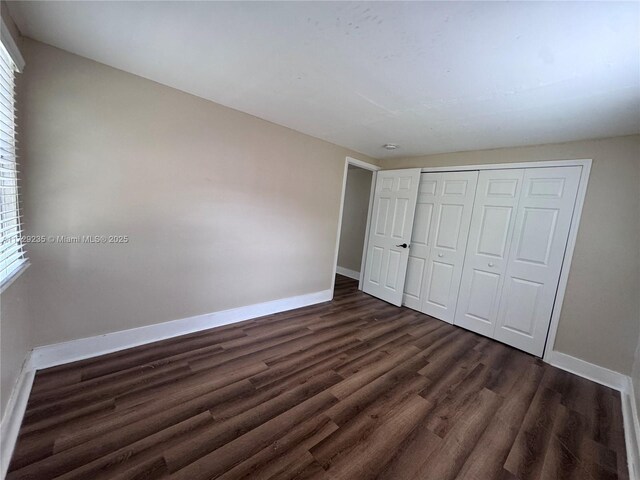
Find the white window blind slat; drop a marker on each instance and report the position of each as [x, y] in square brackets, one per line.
[11, 233]
[10, 230]
[12, 254]
[10, 265]
[6, 88]
[4, 101]
[7, 151]
[6, 118]
[6, 91]
[5, 220]
[10, 251]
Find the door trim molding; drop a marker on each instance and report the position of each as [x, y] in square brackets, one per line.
[573, 230]
[374, 169]
[500, 166]
[568, 255]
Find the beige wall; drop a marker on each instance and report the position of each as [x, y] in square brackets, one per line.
[599, 321]
[354, 218]
[222, 209]
[15, 334]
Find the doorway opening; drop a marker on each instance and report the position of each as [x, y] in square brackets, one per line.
[357, 190]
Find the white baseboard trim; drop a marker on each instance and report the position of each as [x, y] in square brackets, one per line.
[582, 368]
[348, 273]
[631, 430]
[66, 352]
[14, 411]
[617, 381]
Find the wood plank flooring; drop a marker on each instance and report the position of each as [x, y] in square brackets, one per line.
[349, 389]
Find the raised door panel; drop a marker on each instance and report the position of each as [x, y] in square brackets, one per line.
[394, 204]
[483, 295]
[486, 256]
[522, 299]
[381, 215]
[536, 235]
[542, 226]
[494, 230]
[450, 219]
[440, 283]
[413, 281]
[399, 218]
[374, 272]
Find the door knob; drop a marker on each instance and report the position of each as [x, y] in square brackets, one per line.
[404, 245]
[441, 255]
[491, 264]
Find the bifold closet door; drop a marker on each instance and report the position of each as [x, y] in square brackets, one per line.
[517, 241]
[440, 231]
[486, 258]
[394, 204]
[545, 211]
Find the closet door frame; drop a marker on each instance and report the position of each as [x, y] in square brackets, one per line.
[573, 230]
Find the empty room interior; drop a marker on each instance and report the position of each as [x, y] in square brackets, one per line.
[320, 240]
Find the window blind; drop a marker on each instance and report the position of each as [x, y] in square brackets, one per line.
[12, 253]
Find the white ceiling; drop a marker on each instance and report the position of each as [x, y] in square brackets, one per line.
[430, 76]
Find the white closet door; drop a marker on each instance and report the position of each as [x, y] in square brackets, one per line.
[485, 261]
[441, 228]
[394, 205]
[420, 250]
[537, 251]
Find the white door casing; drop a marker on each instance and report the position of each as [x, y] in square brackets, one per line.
[391, 225]
[487, 251]
[439, 239]
[543, 219]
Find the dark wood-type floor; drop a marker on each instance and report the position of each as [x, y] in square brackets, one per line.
[348, 389]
